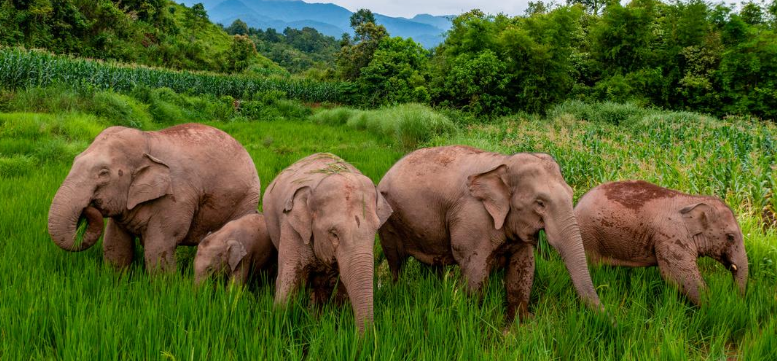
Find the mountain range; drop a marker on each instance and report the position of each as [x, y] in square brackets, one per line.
[328, 19]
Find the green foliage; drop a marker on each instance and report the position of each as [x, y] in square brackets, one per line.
[155, 32]
[356, 54]
[295, 50]
[240, 54]
[147, 108]
[395, 73]
[24, 69]
[494, 64]
[408, 124]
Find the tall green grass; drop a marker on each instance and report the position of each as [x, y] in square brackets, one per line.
[20, 69]
[409, 124]
[59, 305]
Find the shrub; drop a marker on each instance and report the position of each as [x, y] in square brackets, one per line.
[408, 124]
[120, 110]
[604, 112]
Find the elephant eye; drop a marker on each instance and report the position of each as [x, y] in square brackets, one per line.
[540, 203]
[104, 173]
[730, 237]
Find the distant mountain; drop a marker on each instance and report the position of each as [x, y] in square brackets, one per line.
[329, 19]
[443, 22]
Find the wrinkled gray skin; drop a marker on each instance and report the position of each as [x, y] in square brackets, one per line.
[322, 215]
[240, 249]
[482, 210]
[638, 224]
[169, 188]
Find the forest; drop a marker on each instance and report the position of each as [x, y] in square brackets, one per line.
[685, 55]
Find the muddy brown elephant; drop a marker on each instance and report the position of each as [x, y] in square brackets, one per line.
[639, 224]
[481, 210]
[241, 249]
[170, 187]
[322, 215]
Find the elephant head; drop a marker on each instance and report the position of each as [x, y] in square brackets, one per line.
[526, 194]
[341, 216]
[715, 232]
[217, 255]
[113, 175]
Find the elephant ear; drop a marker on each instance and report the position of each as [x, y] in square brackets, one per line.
[235, 253]
[298, 213]
[697, 217]
[491, 189]
[383, 209]
[150, 181]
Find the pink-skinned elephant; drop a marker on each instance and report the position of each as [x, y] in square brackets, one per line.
[482, 210]
[322, 215]
[639, 224]
[169, 188]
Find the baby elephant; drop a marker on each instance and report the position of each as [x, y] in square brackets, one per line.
[638, 224]
[237, 248]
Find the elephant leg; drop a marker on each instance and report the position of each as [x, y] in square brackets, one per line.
[471, 251]
[390, 241]
[293, 257]
[518, 281]
[118, 245]
[159, 243]
[678, 266]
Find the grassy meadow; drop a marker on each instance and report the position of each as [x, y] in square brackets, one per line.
[60, 305]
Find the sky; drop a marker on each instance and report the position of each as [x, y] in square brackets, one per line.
[409, 8]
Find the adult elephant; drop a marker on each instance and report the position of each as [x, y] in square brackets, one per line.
[169, 187]
[482, 210]
[322, 215]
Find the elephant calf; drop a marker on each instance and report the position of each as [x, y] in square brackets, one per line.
[322, 215]
[239, 249]
[638, 224]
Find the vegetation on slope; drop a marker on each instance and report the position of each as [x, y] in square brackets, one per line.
[148, 32]
[26, 69]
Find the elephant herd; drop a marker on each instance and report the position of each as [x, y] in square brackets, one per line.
[193, 185]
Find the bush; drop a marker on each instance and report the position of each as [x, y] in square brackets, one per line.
[603, 112]
[408, 124]
[120, 110]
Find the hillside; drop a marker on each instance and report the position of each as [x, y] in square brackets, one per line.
[154, 33]
[329, 19]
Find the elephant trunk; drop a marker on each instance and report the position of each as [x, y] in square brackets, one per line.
[70, 205]
[739, 269]
[564, 235]
[356, 272]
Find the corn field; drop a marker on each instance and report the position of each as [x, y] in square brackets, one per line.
[21, 69]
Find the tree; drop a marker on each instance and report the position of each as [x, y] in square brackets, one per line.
[358, 53]
[396, 73]
[240, 54]
[238, 27]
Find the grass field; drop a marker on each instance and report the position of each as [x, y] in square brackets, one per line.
[59, 305]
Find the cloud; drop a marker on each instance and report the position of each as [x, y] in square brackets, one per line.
[409, 8]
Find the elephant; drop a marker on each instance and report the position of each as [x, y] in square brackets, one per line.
[639, 224]
[241, 248]
[322, 215]
[169, 187]
[482, 210]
